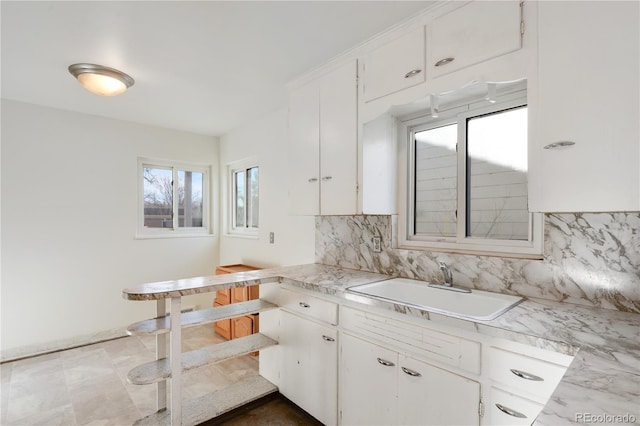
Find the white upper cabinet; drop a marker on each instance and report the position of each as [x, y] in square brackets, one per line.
[394, 66]
[473, 33]
[304, 150]
[588, 95]
[339, 141]
[323, 144]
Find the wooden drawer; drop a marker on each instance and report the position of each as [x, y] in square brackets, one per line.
[426, 343]
[310, 306]
[521, 373]
[512, 410]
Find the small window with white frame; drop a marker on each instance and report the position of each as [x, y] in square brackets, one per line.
[174, 198]
[244, 197]
[464, 177]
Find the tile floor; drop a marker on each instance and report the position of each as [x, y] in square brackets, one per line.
[88, 385]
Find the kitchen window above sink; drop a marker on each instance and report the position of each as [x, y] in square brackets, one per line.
[463, 174]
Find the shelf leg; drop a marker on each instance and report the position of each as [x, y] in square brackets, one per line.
[175, 358]
[161, 353]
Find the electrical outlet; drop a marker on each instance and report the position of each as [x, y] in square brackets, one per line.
[377, 245]
[272, 237]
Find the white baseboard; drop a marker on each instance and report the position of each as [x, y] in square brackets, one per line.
[14, 354]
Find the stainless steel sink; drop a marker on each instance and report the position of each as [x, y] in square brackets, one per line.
[477, 305]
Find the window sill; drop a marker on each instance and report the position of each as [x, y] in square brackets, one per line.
[243, 235]
[173, 235]
[472, 251]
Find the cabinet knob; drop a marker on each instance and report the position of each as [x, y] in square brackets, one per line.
[527, 376]
[385, 362]
[325, 178]
[510, 412]
[559, 144]
[310, 180]
[444, 61]
[304, 305]
[412, 73]
[411, 372]
[327, 338]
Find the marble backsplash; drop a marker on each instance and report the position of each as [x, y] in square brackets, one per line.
[590, 259]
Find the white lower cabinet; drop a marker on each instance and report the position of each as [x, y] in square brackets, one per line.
[309, 371]
[369, 380]
[380, 386]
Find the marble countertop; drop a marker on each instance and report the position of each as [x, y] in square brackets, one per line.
[603, 380]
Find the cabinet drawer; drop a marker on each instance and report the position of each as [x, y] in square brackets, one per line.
[524, 374]
[426, 343]
[509, 409]
[310, 306]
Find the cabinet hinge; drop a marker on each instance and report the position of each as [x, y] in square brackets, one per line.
[480, 408]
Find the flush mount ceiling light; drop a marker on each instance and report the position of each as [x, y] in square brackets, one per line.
[103, 81]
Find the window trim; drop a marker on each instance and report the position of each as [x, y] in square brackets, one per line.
[143, 232]
[407, 239]
[232, 229]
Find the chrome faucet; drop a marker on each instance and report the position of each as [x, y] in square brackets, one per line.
[448, 280]
[446, 272]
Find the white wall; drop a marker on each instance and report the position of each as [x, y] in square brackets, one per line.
[266, 140]
[69, 205]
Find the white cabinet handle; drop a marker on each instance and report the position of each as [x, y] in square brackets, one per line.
[304, 305]
[412, 73]
[444, 61]
[312, 180]
[411, 372]
[510, 412]
[327, 338]
[527, 376]
[327, 178]
[385, 362]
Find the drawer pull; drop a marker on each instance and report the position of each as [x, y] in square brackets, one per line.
[412, 73]
[327, 338]
[527, 376]
[444, 61]
[326, 178]
[510, 412]
[304, 305]
[311, 180]
[385, 362]
[411, 372]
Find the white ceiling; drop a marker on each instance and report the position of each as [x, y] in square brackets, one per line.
[203, 66]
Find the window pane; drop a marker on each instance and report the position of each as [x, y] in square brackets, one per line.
[253, 199]
[239, 194]
[435, 181]
[497, 163]
[190, 207]
[158, 197]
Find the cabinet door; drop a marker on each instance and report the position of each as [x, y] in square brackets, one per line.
[309, 372]
[474, 33]
[394, 66]
[223, 328]
[368, 383]
[339, 141]
[241, 326]
[428, 395]
[304, 150]
[589, 94]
